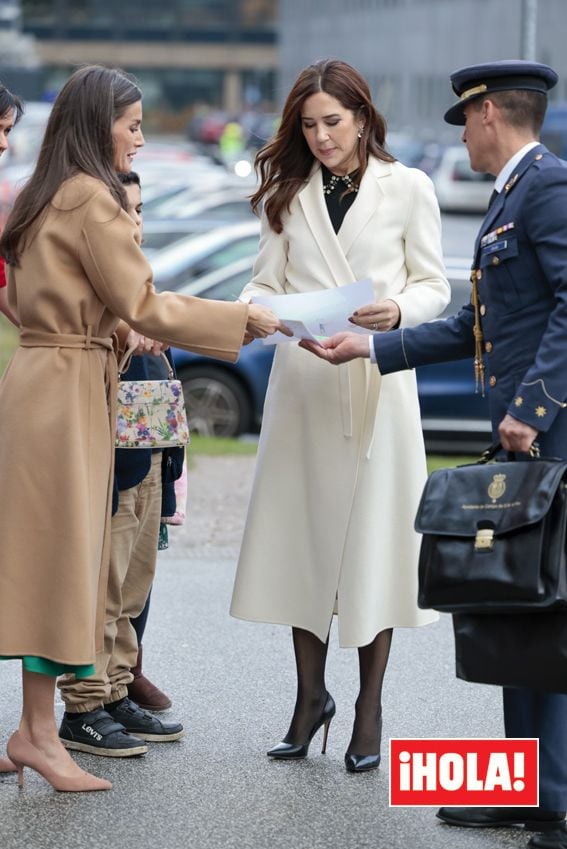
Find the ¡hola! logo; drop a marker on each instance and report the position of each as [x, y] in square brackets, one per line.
[464, 771]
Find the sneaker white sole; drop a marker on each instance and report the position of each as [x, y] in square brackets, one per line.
[107, 753]
[158, 738]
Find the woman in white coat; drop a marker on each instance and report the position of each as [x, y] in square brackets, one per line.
[341, 462]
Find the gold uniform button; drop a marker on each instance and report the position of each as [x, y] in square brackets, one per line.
[488, 347]
[492, 381]
[479, 274]
[482, 309]
[539, 156]
[495, 260]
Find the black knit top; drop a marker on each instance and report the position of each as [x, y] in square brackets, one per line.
[337, 197]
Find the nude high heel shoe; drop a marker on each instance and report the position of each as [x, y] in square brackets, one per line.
[23, 753]
[6, 765]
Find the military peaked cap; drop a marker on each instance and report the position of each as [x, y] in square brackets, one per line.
[506, 75]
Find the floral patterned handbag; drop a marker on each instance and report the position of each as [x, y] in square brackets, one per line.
[150, 413]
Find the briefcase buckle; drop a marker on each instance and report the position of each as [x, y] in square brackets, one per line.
[484, 539]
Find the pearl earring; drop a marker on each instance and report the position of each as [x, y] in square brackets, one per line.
[360, 131]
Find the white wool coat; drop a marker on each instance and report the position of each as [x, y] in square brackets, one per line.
[341, 462]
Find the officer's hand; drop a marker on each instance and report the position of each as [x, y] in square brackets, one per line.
[516, 435]
[339, 348]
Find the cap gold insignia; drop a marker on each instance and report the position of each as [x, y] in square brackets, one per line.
[470, 92]
[497, 488]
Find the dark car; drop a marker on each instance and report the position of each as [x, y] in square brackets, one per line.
[225, 399]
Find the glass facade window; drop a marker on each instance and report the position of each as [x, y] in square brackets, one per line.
[232, 20]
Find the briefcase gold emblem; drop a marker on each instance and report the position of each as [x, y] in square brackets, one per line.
[497, 488]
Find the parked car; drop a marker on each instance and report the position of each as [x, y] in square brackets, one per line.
[186, 260]
[225, 399]
[458, 187]
[554, 130]
[197, 215]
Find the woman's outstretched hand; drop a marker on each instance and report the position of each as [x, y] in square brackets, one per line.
[262, 322]
[339, 348]
[383, 315]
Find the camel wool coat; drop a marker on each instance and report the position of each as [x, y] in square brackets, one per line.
[341, 462]
[80, 272]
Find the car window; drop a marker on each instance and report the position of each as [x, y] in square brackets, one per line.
[230, 289]
[155, 241]
[233, 211]
[462, 171]
[230, 253]
[206, 261]
[157, 204]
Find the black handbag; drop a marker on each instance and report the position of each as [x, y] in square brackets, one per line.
[494, 537]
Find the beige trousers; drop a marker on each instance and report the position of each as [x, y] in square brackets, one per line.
[134, 540]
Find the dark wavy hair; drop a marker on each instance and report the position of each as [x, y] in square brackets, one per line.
[10, 103]
[284, 164]
[78, 138]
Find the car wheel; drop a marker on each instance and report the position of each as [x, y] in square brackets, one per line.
[217, 404]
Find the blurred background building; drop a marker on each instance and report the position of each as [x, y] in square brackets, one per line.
[407, 48]
[187, 54]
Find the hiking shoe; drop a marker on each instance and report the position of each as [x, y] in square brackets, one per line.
[142, 723]
[97, 733]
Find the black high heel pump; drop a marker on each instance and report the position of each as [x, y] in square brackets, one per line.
[364, 763]
[361, 763]
[295, 751]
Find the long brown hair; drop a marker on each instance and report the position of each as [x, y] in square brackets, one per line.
[78, 138]
[285, 163]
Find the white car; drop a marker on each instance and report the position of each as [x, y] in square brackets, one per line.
[186, 260]
[458, 187]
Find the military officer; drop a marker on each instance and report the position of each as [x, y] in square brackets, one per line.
[515, 328]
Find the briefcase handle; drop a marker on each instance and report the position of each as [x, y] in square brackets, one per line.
[124, 363]
[491, 452]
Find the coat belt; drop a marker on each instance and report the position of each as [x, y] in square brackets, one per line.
[371, 403]
[85, 341]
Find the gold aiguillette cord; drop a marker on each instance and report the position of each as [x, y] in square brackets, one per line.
[478, 358]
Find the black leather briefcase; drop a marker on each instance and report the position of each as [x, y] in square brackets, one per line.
[517, 650]
[494, 537]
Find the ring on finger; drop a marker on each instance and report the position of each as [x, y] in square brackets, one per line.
[374, 325]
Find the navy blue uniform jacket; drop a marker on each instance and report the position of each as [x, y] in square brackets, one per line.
[521, 254]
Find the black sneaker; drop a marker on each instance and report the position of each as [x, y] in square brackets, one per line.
[98, 733]
[142, 723]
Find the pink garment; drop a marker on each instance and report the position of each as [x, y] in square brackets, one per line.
[180, 486]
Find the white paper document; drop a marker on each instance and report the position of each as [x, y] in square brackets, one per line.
[316, 315]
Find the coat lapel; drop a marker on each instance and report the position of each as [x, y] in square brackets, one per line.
[335, 247]
[370, 195]
[313, 204]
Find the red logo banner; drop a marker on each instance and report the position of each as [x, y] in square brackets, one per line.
[464, 771]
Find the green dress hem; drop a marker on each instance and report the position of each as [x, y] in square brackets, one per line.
[51, 667]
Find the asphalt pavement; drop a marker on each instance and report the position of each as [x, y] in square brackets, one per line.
[232, 684]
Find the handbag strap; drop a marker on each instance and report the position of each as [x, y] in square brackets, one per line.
[124, 363]
[490, 453]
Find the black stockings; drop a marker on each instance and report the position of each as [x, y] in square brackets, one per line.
[310, 658]
[367, 728]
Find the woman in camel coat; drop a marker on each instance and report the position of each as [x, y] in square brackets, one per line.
[78, 281]
[341, 462]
